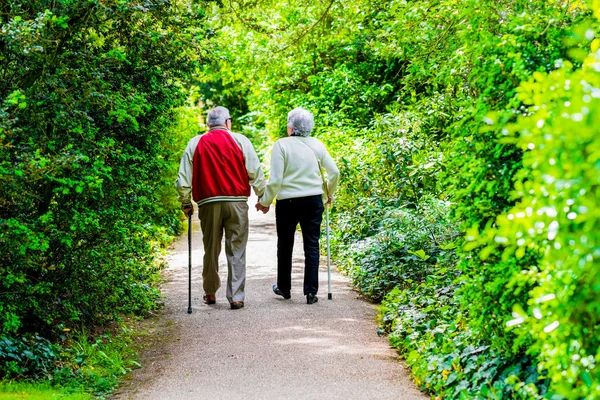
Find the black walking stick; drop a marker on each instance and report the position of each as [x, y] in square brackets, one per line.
[329, 295]
[190, 264]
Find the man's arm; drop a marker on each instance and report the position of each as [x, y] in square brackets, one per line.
[184, 177]
[253, 167]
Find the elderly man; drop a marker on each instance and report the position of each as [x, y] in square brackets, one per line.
[297, 183]
[217, 169]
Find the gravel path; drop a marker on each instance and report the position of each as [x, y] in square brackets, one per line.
[272, 348]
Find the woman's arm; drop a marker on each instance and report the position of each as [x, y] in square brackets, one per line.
[333, 173]
[275, 175]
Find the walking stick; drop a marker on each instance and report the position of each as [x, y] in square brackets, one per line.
[190, 264]
[329, 295]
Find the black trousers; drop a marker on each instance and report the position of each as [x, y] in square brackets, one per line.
[308, 212]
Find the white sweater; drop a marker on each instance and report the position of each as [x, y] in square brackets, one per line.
[295, 170]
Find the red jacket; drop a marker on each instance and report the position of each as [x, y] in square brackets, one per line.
[219, 166]
[219, 169]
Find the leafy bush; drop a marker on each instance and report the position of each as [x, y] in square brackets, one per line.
[95, 365]
[524, 39]
[86, 156]
[27, 356]
[91, 130]
[556, 217]
[80, 364]
[446, 357]
[403, 251]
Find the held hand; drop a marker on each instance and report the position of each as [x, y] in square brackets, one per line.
[329, 200]
[260, 207]
[188, 209]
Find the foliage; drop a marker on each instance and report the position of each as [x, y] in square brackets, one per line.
[555, 217]
[92, 122]
[520, 45]
[96, 364]
[402, 252]
[27, 356]
[79, 364]
[86, 161]
[425, 324]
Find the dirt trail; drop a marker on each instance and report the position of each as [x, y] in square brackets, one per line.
[272, 348]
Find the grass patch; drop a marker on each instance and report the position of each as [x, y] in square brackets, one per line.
[82, 366]
[37, 391]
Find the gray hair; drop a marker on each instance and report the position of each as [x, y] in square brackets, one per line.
[217, 116]
[301, 121]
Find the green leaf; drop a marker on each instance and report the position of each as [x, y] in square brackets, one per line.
[419, 253]
[587, 379]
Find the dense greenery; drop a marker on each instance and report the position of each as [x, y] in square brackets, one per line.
[466, 136]
[88, 93]
[81, 365]
[88, 155]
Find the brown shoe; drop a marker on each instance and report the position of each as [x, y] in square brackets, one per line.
[209, 299]
[236, 305]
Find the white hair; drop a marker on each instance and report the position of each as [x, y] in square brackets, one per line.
[217, 116]
[301, 121]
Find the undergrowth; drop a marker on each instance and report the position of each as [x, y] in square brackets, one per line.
[80, 366]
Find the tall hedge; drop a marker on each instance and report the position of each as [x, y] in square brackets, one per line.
[87, 96]
[555, 217]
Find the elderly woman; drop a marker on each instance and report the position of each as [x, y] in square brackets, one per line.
[296, 181]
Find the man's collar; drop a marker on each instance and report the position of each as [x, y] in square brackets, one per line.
[218, 127]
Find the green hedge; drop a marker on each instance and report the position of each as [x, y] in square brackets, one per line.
[556, 219]
[87, 156]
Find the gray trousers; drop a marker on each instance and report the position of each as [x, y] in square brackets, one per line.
[231, 217]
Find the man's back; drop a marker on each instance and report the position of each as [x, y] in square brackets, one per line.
[219, 172]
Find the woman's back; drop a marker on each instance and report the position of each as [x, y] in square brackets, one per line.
[300, 170]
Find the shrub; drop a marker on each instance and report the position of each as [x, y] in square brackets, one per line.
[425, 324]
[86, 106]
[27, 357]
[403, 251]
[79, 364]
[556, 218]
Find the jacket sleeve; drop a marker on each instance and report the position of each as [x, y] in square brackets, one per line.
[333, 173]
[275, 175]
[184, 177]
[253, 167]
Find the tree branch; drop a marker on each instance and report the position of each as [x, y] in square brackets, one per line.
[303, 34]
